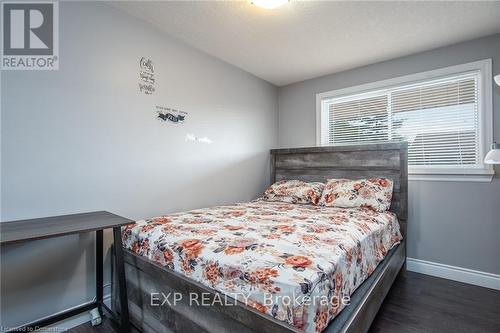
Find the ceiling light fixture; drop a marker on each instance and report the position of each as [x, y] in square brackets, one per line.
[269, 4]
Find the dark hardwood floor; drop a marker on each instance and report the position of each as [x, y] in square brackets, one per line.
[422, 303]
[419, 303]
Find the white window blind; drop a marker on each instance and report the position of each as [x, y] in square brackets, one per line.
[440, 121]
[439, 118]
[362, 119]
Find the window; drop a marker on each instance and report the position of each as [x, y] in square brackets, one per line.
[444, 115]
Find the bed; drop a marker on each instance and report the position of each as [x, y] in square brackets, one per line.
[268, 266]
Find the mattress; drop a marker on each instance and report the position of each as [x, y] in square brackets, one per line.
[297, 263]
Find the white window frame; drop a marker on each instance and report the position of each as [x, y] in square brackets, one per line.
[483, 173]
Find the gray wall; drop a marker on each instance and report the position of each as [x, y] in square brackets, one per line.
[454, 223]
[83, 138]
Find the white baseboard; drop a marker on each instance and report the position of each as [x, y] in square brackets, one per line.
[454, 273]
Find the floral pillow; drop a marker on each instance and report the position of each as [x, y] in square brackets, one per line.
[375, 193]
[294, 191]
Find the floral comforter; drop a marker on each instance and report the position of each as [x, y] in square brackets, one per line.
[294, 262]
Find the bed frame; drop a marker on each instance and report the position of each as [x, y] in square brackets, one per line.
[308, 164]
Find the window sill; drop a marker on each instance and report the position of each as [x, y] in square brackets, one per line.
[480, 178]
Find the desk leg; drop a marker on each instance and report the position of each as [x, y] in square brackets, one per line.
[120, 272]
[99, 284]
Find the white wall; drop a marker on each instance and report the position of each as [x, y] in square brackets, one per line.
[84, 138]
[453, 223]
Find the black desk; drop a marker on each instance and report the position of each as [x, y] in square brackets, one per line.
[47, 227]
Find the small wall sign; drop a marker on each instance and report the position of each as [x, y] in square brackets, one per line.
[146, 76]
[171, 115]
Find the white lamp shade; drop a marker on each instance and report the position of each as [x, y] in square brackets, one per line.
[497, 79]
[493, 156]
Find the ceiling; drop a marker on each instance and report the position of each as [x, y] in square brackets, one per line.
[306, 39]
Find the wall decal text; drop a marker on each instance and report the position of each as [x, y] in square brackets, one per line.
[146, 76]
[171, 115]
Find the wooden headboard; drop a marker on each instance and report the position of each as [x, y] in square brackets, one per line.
[389, 160]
